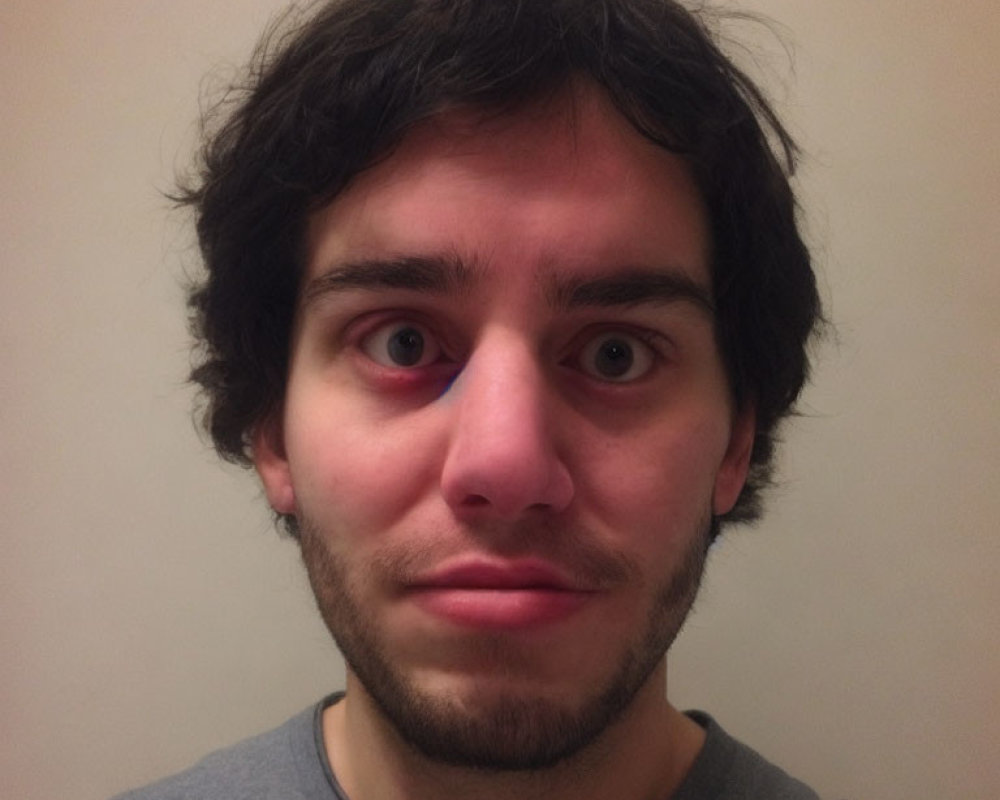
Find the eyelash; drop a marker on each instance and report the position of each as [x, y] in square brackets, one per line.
[445, 361]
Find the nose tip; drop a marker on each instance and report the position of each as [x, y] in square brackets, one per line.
[505, 488]
[503, 460]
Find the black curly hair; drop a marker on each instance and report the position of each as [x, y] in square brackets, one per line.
[329, 95]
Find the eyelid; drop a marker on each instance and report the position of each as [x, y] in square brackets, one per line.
[657, 340]
[363, 328]
[655, 350]
[377, 344]
[450, 352]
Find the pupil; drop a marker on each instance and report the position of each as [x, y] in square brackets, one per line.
[614, 358]
[406, 347]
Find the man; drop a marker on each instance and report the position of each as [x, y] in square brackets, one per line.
[504, 301]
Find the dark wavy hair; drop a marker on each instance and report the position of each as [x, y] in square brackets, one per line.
[331, 91]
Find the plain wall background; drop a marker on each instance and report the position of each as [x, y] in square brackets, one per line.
[148, 611]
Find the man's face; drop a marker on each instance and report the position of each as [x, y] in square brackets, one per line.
[507, 426]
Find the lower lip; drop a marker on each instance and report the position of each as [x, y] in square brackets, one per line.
[500, 609]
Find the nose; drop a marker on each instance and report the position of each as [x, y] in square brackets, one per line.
[502, 458]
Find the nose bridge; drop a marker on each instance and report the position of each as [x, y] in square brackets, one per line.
[503, 457]
[503, 389]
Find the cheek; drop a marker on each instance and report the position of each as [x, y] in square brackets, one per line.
[658, 488]
[359, 477]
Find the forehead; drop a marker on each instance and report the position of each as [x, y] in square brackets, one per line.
[567, 184]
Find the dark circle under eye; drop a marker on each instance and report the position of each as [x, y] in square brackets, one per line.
[405, 346]
[614, 357]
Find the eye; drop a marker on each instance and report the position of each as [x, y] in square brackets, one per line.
[616, 357]
[401, 344]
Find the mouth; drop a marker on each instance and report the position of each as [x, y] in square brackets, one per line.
[499, 595]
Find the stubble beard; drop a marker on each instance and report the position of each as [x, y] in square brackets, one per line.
[496, 732]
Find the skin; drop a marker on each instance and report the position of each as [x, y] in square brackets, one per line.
[536, 236]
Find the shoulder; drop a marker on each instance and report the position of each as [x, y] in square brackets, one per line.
[285, 763]
[729, 770]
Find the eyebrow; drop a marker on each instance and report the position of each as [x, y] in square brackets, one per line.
[443, 275]
[431, 274]
[637, 286]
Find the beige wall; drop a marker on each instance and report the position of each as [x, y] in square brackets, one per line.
[147, 610]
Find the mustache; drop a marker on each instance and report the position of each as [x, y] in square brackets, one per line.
[577, 551]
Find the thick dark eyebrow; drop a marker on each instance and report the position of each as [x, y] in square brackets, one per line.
[629, 288]
[414, 273]
[441, 275]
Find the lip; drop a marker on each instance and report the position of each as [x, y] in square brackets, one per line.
[499, 595]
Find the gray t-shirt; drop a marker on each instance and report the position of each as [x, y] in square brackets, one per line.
[290, 763]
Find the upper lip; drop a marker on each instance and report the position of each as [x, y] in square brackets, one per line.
[509, 575]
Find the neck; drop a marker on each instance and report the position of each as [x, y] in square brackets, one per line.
[644, 755]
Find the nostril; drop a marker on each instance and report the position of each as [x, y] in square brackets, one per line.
[476, 500]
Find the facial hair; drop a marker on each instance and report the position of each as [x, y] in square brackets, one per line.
[512, 731]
